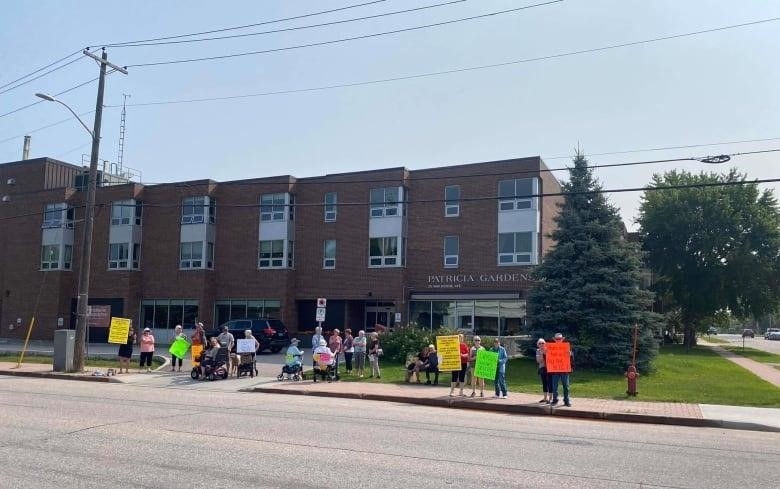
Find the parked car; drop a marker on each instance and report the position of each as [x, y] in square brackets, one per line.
[712, 330]
[748, 332]
[271, 333]
[774, 335]
[769, 332]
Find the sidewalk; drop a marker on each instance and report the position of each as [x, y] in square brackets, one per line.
[732, 417]
[762, 370]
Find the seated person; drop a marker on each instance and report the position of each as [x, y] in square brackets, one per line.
[431, 366]
[294, 356]
[415, 366]
[207, 358]
[323, 358]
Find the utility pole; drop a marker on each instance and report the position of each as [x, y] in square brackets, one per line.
[85, 263]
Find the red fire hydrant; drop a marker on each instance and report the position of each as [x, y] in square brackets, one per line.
[631, 375]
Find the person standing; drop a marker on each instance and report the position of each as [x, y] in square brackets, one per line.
[335, 344]
[147, 350]
[459, 376]
[226, 338]
[562, 377]
[360, 345]
[476, 348]
[349, 349]
[373, 355]
[315, 342]
[249, 336]
[126, 351]
[541, 362]
[503, 357]
[177, 333]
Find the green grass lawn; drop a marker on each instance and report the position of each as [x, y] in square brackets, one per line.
[698, 376]
[715, 339]
[754, 354]
[90, 361]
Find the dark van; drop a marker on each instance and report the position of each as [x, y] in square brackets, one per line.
[271, 333]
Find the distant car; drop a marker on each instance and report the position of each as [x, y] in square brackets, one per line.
[712, 330]
[748, 332]
[271, 333]
[774, 335]
[769, 332]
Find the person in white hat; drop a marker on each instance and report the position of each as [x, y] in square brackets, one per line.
[541, 363]
[147, 350]
[294, 356]
[562, 377]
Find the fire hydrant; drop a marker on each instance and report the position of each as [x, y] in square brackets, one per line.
[631, 376]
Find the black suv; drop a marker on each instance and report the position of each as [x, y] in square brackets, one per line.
[271, 333]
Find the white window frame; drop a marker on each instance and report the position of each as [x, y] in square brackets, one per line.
[209, 255]
[122, 212]
[383, 202]
[450, 258]
[516, 256]
[53, 261]
[67, 256]
[331, 200]
[272, 259]
[119, 256]
[329, 259]
[57, 215]
[451, 205]
[517, 199]
[273, 207]
[385, 244]
[193, 210]
[191, 255]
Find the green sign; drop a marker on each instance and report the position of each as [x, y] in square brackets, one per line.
[179, 347]
[487, 365]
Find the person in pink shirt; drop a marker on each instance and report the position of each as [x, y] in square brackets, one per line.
[147, 350]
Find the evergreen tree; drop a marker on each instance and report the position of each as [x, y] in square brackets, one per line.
[590, 287]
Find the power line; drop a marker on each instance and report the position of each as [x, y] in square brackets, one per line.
[322, 12]
[346, 39]
[445, 72]
[56, 95]
[442, 200]
[39, 76]
[40, 69]
[62, 121]
[287, 29]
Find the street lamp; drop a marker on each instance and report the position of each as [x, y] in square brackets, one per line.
[89, 217]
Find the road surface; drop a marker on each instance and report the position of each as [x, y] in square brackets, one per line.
[65, 434]
[759, 343]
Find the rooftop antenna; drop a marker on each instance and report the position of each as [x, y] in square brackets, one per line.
[122, 121]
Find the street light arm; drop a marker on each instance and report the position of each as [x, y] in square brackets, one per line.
[77, 117]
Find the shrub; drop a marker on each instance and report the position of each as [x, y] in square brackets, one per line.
[409, 340]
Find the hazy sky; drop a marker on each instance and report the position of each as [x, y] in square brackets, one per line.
[710, 88]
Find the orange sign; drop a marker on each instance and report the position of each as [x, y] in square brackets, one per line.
[558, 357]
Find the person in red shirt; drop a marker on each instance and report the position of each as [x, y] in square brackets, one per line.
[459, 376]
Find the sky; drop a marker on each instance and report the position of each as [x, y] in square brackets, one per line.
[717, 87]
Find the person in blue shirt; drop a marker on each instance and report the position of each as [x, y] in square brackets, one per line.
[500, 382]
[293, 357]
[315, 341]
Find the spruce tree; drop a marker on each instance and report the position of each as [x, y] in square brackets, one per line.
[590, 285]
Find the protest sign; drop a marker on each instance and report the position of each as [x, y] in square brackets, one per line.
[448, 348]
[486, 365]
[179, 347]
[245, 346]
[558, 357]
[118, 331]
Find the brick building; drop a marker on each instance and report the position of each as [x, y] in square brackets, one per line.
[444, 246]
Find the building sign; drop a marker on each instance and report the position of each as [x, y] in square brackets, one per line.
[457, 281]
[98, 316]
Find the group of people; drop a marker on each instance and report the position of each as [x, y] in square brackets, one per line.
[355, 349]
[146, 344]
[468, 362]
[550, 380]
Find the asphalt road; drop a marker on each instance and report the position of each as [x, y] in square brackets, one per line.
[758, 342]
[65, 434]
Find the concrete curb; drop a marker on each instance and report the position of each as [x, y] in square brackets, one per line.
[457, 403]
[61, 376]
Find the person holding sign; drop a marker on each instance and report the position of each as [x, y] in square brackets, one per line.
[500, 382]
[126, 351]
[477, 341]
[177, 334]
[560, 364]
[459, 376]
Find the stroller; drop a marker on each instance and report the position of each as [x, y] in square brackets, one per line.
[293, 372]
[217, 368]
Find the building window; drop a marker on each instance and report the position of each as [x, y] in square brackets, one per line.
[516, 194]
[167, 313]
[452, 201]
[197, 210]
[67, 256]
[271, 254]
[451, 249]
[329, 254]
[383, 252]
[209, 255]
[385, 201]
[191, 255]
[57, 216]
[126, 212]
[118, 255]
[50, 257]
[516, 248]
[330, 206]
[272, 207]
[232, 309]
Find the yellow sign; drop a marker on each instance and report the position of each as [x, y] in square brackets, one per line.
[118, 330]
[448, 349]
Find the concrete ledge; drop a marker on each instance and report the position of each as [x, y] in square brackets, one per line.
[61, 376]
